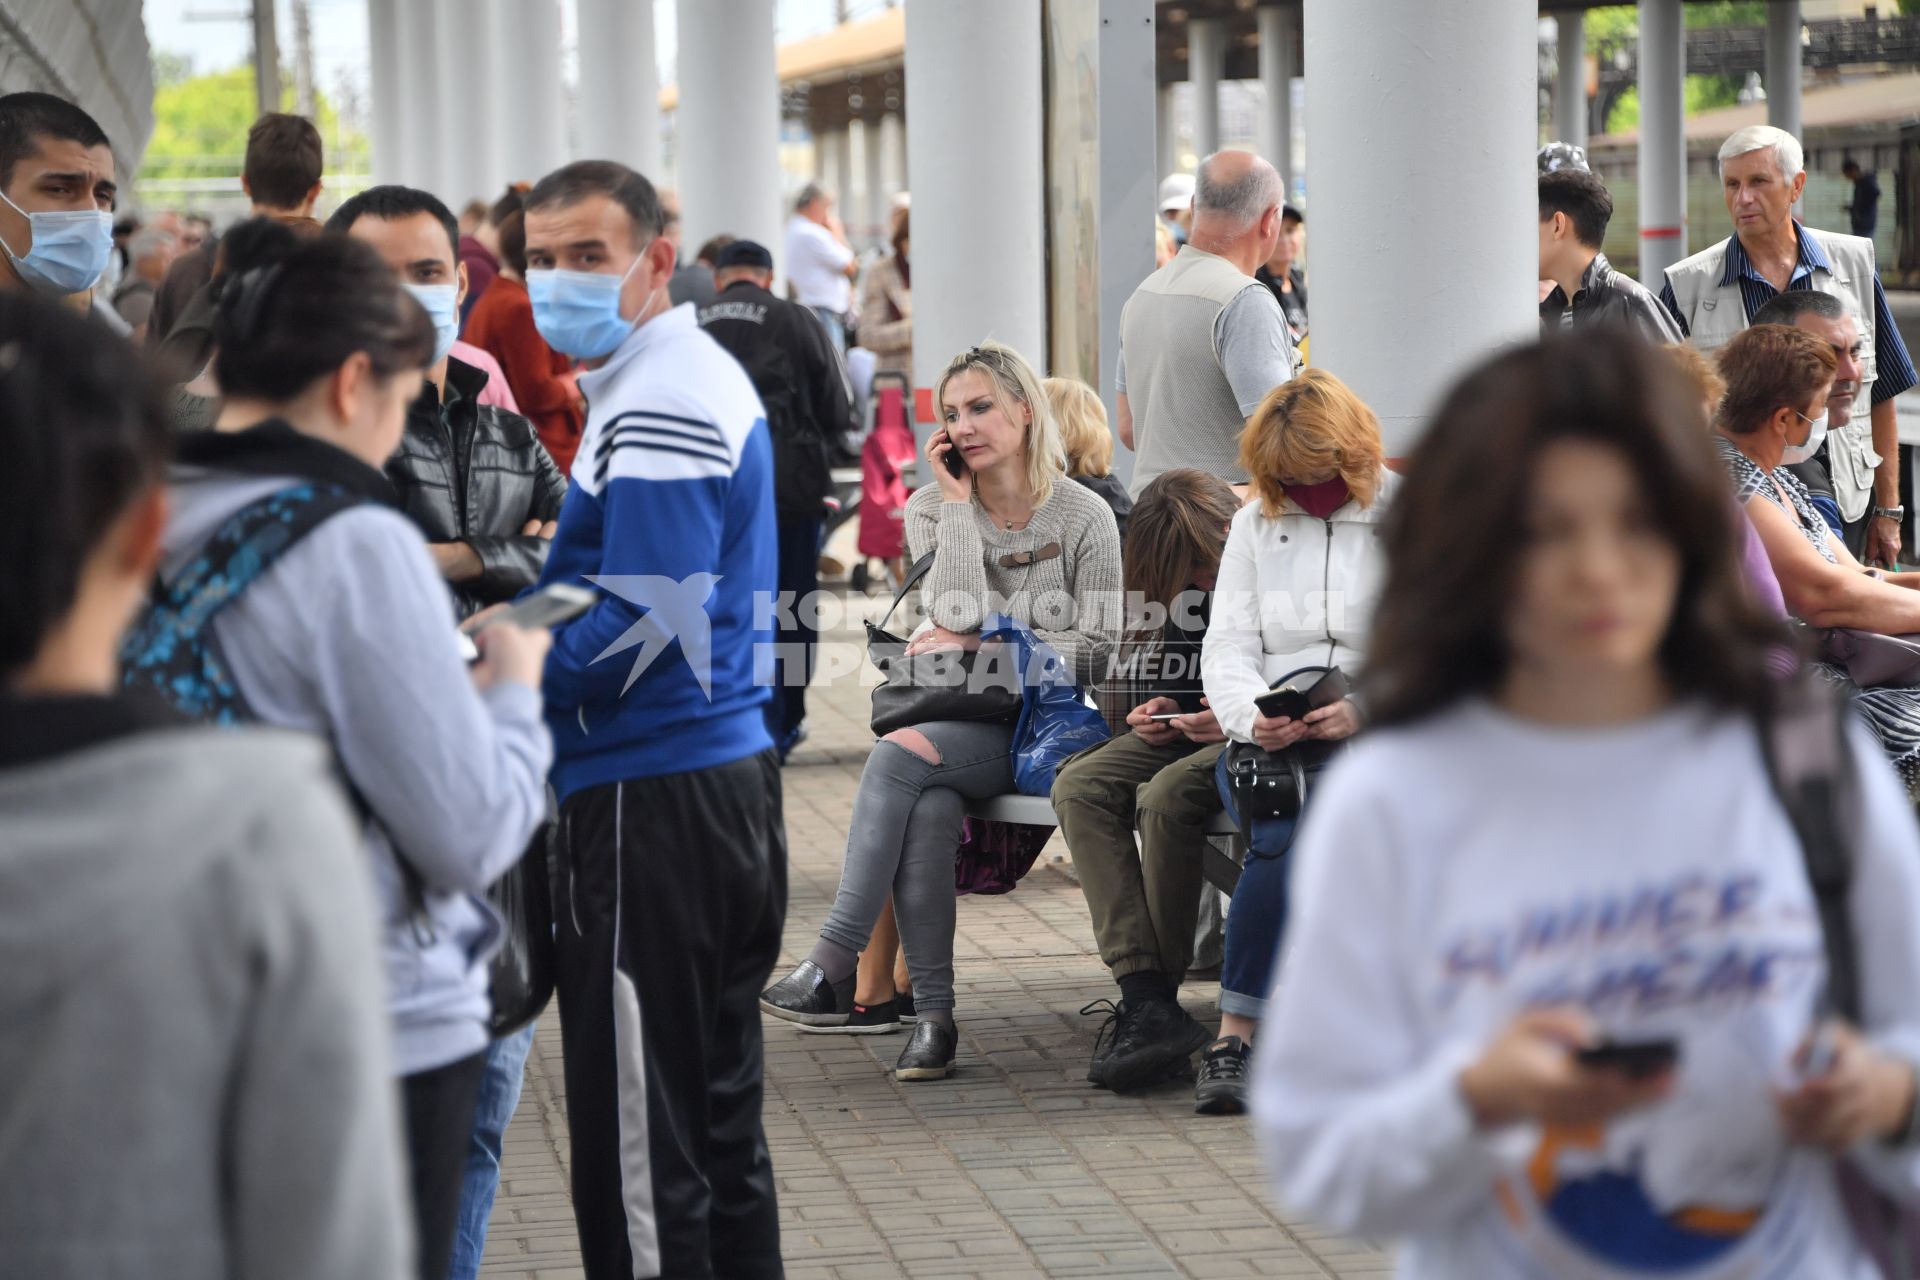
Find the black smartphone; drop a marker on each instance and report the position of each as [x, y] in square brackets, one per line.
[1290, 703]
[955, 460]
[1636, 1059]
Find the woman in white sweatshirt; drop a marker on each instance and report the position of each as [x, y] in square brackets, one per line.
[1560, 831]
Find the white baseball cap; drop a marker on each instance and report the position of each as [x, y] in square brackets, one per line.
[1176, 192]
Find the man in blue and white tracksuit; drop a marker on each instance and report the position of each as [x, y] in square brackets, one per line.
[672, 849]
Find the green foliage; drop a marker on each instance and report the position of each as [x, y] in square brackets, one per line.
[1703, 93]
[1617, 24]
[200, 122]
[1609, 28]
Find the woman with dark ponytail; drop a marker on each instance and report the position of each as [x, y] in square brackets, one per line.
[195, 1054]
[320, 609]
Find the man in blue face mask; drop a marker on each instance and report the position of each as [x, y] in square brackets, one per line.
[473, 476]
[56, 197]
[670, 819]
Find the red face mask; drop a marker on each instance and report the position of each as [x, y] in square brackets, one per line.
[1318, 500]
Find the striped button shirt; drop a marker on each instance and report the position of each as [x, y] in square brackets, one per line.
[1894, 366]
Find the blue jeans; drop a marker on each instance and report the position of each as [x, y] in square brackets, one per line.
[1256, 920]
[836, 326]
[499, 1095]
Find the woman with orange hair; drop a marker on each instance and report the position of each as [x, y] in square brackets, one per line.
[1298, 582]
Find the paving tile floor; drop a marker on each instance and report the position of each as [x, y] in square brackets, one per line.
[1015, 1167]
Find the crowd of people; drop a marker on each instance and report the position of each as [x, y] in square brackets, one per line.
[1573, 759]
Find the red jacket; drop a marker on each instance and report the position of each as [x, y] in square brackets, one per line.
[542, 379]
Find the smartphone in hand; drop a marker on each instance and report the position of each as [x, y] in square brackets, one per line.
[1635, 1059]
[956, 462]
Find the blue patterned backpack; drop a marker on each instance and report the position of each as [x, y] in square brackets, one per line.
[172, 650]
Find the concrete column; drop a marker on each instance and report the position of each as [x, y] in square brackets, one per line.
[1206, 63]
[1783, 65]
[1464, 69]
[1570, 90]
[463, 154]
[1663, 146]
[392, 149]
[1128, 188]
[427, 102]
[1277, 56]
[1167, 146]
[878, 194]
[619, 99]
[527, 46]
[893, 156]
[728, 136]
[831, 168]
[979, 268]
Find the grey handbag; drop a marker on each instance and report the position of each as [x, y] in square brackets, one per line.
[949, 684]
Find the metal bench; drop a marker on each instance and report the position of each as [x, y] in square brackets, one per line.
[1220, 866]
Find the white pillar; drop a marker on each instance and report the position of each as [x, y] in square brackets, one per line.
[979, 264]
[392, 150]
[462, 159]
[421, 35]
[1128, 187]
[1783, 65]
[830, 164]
[1167, 148]
[1206, 63]
[527, 67]
[1276, 78]
[728, 136]
[1663, 146]
[476, 51]
[893, 156]
[619, 97]
[1463, 69]
[878, 193]
[1570, 89]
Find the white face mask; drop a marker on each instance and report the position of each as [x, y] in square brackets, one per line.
[1816, 436]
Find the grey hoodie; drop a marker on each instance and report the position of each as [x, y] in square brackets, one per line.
[194, 1076]
[350, 636]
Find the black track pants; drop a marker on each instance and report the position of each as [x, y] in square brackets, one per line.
[673, 893]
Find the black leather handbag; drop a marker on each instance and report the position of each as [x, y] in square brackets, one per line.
[1266, 786]
[522, 970]
[949, 684]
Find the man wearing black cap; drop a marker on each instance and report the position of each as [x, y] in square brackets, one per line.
[1281, 273]
[804, 388]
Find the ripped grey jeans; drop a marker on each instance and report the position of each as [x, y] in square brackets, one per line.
[902, 840]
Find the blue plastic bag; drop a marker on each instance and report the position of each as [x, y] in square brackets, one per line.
[1055, 721]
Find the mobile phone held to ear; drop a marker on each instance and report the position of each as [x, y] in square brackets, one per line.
[955, 460]
[548, 607]
[1635, 1059]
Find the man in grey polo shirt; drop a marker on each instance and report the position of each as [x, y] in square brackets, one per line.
[1201, 341]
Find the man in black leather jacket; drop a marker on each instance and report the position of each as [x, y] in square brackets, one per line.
[474, 477]
[803, 387]
[1575, 208]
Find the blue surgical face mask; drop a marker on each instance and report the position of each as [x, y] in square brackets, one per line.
[442, 302]
[70, 249]
[578, 312]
